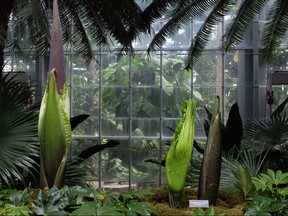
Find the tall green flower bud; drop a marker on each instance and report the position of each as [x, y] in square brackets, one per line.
[180, 152]
[54, 133]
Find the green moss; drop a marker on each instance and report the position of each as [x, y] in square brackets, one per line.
[230, 197]
[236, 210]
[165, 210]
[227, 202]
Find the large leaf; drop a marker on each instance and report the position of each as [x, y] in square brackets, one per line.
[243, 180]
[233, 131]
[84, 24]
[18, 130]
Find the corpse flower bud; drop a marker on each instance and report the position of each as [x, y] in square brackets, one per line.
[180, 152]
[54, 132]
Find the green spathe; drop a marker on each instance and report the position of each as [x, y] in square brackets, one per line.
[179, 154]
[54, 133]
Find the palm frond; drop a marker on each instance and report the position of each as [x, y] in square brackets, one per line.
[280, 108]
[34, 18]
[253, 156]
[84, 27]
[193, 10]
[243, 18]
[156, 9]
[18, 131]
[91, 22]
[75, 174]
[112, 15]
[273, 131]
[5, 11]
[3, 34]
[203, 35]
[174, 9]
[275, 29]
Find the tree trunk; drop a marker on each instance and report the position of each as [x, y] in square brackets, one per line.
[5, 12]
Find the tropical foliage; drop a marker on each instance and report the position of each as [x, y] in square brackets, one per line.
[270, 135]
[93, 22]
[271, 194]
[73, 201]
[18, 131]
[184, 12]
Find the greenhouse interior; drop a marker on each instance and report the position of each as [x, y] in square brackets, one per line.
[186, 99]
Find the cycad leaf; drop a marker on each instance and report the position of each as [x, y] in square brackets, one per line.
[192, 10]
[276, 28]
[243, 18]
[203, 34]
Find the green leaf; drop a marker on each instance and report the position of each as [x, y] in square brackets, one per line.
[109, 210]
[276, 206]
[18, 131]
[243, 180]
[84, 210]
[20, 198]
[198, 212]
[142, 208]
[15, 210]
[210, 212]
[52, 203]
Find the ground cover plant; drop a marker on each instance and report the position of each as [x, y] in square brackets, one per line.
[73, 201]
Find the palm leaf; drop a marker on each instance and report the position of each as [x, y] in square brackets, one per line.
[35, 17]
[79, 20]
[99, 22]
[276, 28]
[203, 35]
[272, 132]
[156, 9]
[18, 131]
[246, 13]
[193, 10]
[280, 108]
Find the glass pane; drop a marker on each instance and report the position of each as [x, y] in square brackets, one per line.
[145, 70]
[88, 73]
[115, 101]
[146, 127]
[115, 127]
[115, 168]
[91, 164]
[116, 74]
[145, 174]
[85, 100]
[169, 126]
[146, 102]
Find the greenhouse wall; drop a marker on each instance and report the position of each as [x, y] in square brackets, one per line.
[136, 99]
